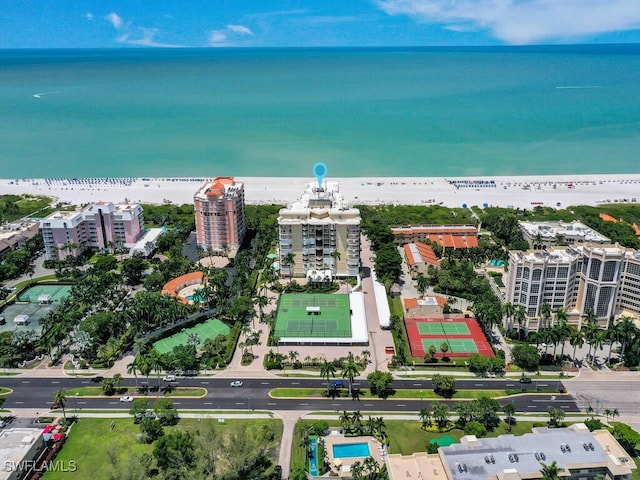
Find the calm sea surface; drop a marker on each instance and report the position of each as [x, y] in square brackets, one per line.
[364, 112]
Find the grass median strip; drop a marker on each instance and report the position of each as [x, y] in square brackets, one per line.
[97, 392]
[399, 394]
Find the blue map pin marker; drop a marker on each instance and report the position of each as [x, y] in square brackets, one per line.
[320, 171]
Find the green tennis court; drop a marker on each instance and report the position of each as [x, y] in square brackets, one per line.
[437, 328]
[309, 315]
[209, 329]
[456, 345]
[57, 292]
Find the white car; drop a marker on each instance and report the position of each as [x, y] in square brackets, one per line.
[236, 383]
[169, 378]
[126, 398]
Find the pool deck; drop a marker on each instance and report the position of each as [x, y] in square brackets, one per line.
[342, 466]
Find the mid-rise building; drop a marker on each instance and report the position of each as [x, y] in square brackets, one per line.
[447, 236]
[319, 232]
[101, 226]
[16, 234]
[579, 453]
[220, 217]
[548, 234]
[603, 279]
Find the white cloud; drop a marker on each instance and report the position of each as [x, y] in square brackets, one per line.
[147, 39]
[231, 35]
[239, 29]
[524, 21]
[115, 20]
[89, 16]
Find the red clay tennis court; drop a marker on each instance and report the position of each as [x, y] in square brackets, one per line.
[463, 335]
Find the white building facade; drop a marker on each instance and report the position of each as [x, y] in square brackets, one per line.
[320, 232]
[604, 279]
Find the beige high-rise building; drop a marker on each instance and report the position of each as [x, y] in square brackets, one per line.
[320, 232]
[220, 218]
[603, 279]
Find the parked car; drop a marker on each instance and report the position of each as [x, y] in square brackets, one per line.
[126, 398]
[525, 380]
[236, 383]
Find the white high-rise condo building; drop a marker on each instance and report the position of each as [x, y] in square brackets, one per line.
[603, 279]
[319, 233]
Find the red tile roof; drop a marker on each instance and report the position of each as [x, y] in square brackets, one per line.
[423, 253]
[608, 218]
[410, 303]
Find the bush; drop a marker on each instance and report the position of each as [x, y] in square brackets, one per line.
[475, 428]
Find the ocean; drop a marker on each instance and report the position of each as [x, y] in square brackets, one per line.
[276, 112]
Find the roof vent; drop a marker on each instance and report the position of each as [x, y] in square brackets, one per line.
[591, 447]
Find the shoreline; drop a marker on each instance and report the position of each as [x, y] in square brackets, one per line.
[527, 191]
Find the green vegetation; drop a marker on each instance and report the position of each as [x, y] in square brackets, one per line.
[246, 448]
[503, 222]
[173, 392]
[14, 207]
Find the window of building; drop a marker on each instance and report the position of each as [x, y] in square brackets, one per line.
[594, 270]
[609, 271]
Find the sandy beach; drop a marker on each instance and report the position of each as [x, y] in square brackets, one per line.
[515, 191]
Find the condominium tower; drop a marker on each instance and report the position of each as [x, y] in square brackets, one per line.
[220, 218]
[320, 233]
[603, 279]
[102, 226]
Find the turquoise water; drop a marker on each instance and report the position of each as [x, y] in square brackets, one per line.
[351, 450]
[313, 457]
[364, 112]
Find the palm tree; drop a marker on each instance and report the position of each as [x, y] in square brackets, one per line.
[441, 414]
[546, 314]
[289, 260]
[60, 399]
[551, 472]
[627, 330]
[350, 370]
[336, 255]
[357, 470]
[344, 419]
[372, 467]
[614, 414]
[155, 362]
[133, 368]
[356, 418]
[509, 410]
[421, 284]
[327, 369]
[293, 356]
[305, 443]
[425, 417]
[520, 315]
[576, 339]
[509, 310]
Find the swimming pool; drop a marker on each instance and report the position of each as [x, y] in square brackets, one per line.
[351, 450]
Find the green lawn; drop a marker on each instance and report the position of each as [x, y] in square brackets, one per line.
[5, 391]
[92, 443]
[407, 437]
[400, 394]
[97, 391]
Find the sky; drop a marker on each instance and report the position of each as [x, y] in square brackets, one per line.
[314, 23]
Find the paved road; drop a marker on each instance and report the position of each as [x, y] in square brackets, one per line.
[254, 395]
[607, 390]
